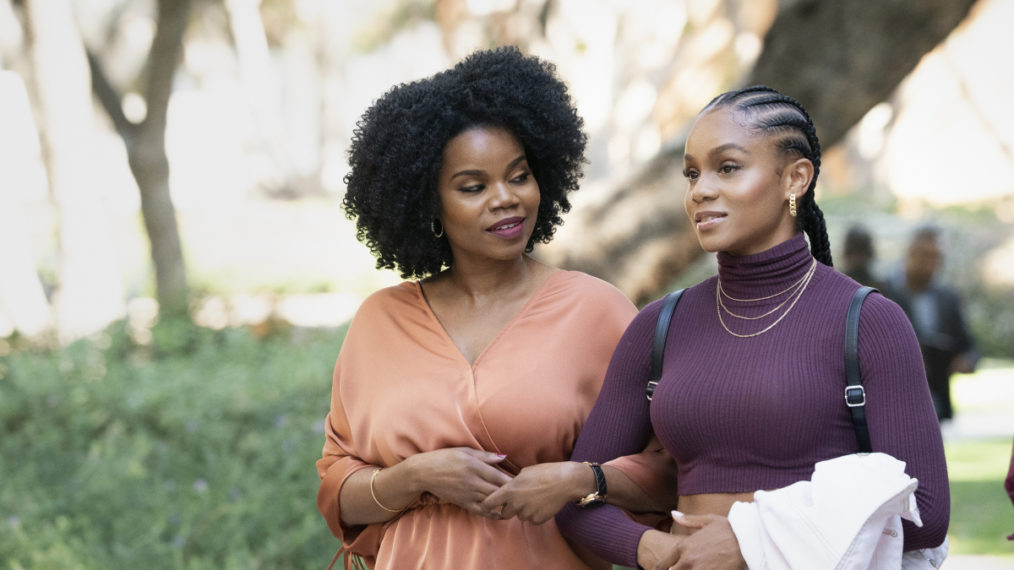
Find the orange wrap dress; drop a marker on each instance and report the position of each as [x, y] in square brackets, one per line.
[402, 387]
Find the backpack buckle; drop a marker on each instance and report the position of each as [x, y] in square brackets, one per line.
[855, 396]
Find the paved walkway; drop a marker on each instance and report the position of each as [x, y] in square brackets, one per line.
[984, 403]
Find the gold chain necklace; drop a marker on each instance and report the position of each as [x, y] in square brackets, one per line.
[804, 282]
[782, 292]
[799, 283]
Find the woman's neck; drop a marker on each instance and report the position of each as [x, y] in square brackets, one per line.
[751, 276]
[495, 279]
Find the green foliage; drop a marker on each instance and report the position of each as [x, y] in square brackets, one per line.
[199, 454]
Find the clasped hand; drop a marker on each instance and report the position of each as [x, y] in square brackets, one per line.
[470, 479]
[461, 476]
[711, 544]
[535, 495]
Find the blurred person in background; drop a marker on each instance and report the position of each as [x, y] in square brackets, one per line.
[858, 254]
[936, 314]
[1008, 484]
[476, 377]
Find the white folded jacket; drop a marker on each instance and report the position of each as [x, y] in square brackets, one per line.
[847, 516]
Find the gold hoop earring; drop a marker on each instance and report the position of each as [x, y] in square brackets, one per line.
[433, 228]
[792, 205]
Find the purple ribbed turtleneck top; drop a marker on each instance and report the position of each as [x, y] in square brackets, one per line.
[742, 414]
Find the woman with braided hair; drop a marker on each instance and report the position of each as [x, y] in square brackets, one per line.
[750, 396]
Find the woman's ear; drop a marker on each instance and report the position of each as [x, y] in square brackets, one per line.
[796, 177]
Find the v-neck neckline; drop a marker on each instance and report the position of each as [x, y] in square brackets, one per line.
[507, 326]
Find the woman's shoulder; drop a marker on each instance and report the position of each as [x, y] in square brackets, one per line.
[388, 298]
[882, 312]
[702, 291]
[591, 288]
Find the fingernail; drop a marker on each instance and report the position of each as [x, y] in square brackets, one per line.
[501, 455]
[676, 514]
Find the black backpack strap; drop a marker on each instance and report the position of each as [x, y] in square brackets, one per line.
[855, 394]
[658, 345]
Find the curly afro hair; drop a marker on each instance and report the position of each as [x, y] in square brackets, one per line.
[397, 151]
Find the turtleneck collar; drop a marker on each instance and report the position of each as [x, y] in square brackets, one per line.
[767, 272]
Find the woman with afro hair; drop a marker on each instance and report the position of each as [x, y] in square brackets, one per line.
[458, 395]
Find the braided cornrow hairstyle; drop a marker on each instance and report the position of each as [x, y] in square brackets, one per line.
[781, 116]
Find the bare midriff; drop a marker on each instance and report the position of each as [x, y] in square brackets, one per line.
[708, 503]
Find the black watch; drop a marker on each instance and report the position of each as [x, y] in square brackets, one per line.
[599, 496]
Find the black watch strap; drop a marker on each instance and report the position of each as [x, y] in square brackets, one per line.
[599, 496]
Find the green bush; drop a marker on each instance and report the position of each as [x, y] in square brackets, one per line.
[195, 455]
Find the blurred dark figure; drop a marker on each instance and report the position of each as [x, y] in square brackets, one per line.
[1008, 484]
[936, 315]
[858, 255]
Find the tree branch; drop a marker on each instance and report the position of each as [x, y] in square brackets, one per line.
[841, 58]
[109, 97]
[838, 58]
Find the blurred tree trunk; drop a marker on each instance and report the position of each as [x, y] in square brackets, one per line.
[23, 303]
[90, 293]
[145, 145]
[22, 299]
[261, 85]
[838, 58]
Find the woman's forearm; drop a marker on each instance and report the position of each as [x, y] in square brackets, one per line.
[375, 494]
[460, 476]
[626, 494]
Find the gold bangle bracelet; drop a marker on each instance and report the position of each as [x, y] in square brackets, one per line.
[374, 493]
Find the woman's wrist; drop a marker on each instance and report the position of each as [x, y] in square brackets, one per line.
[373, 493]
[576, 480]
[394, 488]
[403, 474]
[650, 547]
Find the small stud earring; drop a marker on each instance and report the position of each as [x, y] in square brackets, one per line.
[792, 205]
[440, 233]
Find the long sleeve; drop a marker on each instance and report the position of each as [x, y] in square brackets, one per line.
[900, 413]
[338, 462]
[619, 425]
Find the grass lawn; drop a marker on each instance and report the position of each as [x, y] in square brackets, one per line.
[978, 447]
[981, 513]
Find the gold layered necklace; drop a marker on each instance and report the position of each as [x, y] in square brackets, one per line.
[794, 292]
